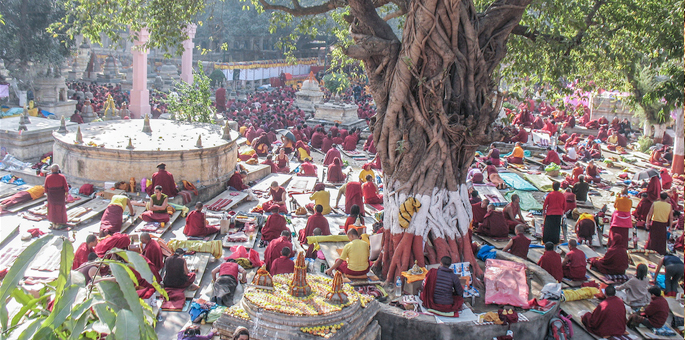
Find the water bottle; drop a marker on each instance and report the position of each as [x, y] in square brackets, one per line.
[398, 287]
[378, 179]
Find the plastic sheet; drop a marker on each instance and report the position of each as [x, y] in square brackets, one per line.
[527, 201]
[542, 182]
[505, 283]
[515, 181]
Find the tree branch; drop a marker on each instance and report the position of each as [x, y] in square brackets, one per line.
[395, 14]
[533, 35]
[297, 10]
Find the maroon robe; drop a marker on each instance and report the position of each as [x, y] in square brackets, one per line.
[353, 195]
[81, 255]
[56, 187]
[274, 167]
[370, 194]
[273, 250]
[277, 195]
[551, 262]
[236, 181]
[326, 144]
[220, 96]
[350, 143]
[331, 155]
[478, 213]
[112, 220]
[493, 225]
[153, 252]
[121, 241]
[315, 221]
[282, 265]
[521, 137]
[608, 319]
[273, 227]
[512, 223]
[552, 157]
[520, 246]
[642, 209]
[653, 189]
[576, 266]
[428, 292]
[166, 180]
[335, 173]
[195, 225]
[615, 261]
[18, 198]
[308, 169]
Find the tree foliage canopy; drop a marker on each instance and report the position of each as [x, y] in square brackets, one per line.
[24, 36]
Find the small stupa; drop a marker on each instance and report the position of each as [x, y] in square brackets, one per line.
[336, 294]
[263, 279]
[298, 286]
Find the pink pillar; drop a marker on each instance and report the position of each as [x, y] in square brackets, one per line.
[679, 141]
[187, 59]
[140, 96]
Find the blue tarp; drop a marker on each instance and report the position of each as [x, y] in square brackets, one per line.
[515, 181]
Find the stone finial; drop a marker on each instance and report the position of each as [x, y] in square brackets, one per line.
[146, 124]
[22, 125]
[79, 136]
[227, 132]
[199, 142]
[130, 144]
[62, 125]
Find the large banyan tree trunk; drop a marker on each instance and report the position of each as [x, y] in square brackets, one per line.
[436, 100]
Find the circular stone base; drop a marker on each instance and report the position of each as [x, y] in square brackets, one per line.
[104, 156]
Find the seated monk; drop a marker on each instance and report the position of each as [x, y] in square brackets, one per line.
[81, 254]
[595, 150]
[493, 156]
[585, 228]
[112, 218]
[318, 220]
[120, 241]
[236, 181]
[475, 197]
[282, 162]
[176, 273]
[30, 194]
[513, 210]
[332, 154]
[302, 151]
[592, 173]
[608, 319]
[653, 189]
[493, 224]
[320, 197]
[617, 140]
[570, 121]
[615, 261]
[157, 207]
[278, 198]
[538, 123]
[551, 262]
[521, 137]
[354, 259]
[657, 158]
[571, 155]
[164, 179]
[570, 201]
[283, 264]
[327, 143]
[335, 173]
[274, 225]
[275, 247]
[350, 142]
[353, 195]
[655, 314]
[366, 170]
[442, 290]
[480, 209]
[666, 179]
[269, 161]
[552, 157]
[196, 223]
[355, 221]
[153, 252]
[574, 265]
[370, 191]
[307, 169]
[642, 209]
[593, 124]
[518, 245]
[312, 250]
[516, 155]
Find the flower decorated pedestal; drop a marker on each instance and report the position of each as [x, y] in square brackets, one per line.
[275, 314]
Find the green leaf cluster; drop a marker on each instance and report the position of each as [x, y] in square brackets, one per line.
[336, 82]
[78, 311]
[192, 102]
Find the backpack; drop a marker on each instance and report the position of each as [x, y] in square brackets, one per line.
[559, 328]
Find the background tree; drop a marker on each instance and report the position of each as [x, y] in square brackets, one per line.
[191, 102]
[117, 306]
[25, 41]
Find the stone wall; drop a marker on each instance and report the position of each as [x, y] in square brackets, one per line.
[83, 164]
[29, 145]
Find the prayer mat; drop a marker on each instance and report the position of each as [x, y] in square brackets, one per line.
[378, 207]
[515, 181]
[522, 318]
[176, 301]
